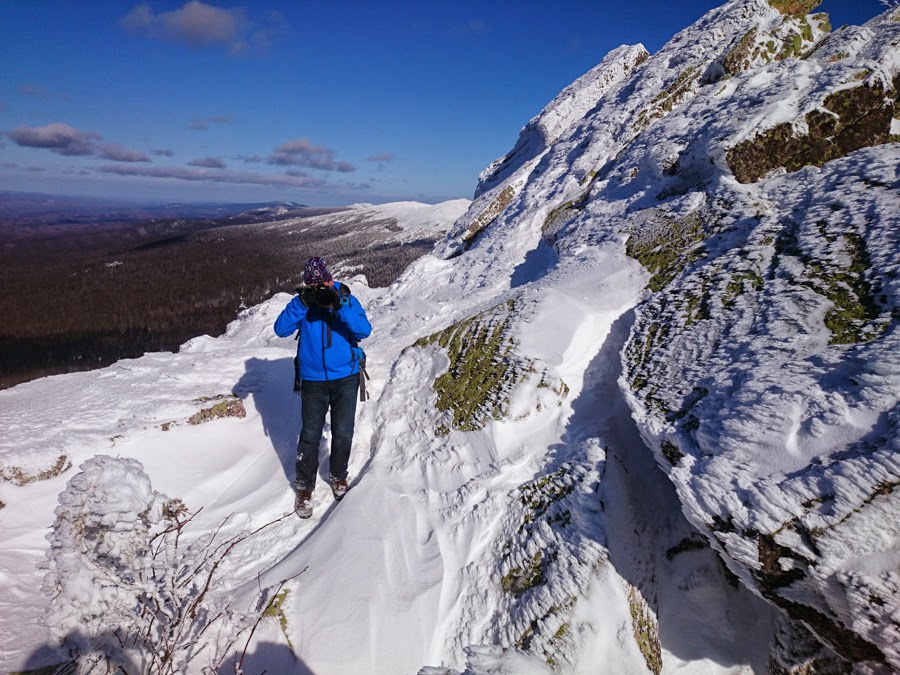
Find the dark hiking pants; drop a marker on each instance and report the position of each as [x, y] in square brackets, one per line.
[317, 398]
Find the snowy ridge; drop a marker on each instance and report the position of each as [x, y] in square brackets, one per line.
[561, 113]
[618, 303]
[396, 223]
[415, 215]
[656, 166]
[505, 178]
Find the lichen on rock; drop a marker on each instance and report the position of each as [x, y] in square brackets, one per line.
[684, 85]
[483, 368]
[21, 477]
[795, 7]
[551, 556]
[665, 245]
[230, 406]
[645, 628]
[853, 118]
[490, 214]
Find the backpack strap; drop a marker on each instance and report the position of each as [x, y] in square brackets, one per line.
[363, 373]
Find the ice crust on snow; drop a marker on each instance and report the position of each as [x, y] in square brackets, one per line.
[543, 535]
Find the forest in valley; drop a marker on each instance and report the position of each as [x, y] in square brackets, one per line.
[82, 294]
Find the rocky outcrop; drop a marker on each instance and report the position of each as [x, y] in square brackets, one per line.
[749, 168]
[850, 119]
[794, 36]
[490, 214]
[562, 112]
[484, 369]
[753, 177]
[23, 476]
[762, 368]
[795, 7]
[228, 406]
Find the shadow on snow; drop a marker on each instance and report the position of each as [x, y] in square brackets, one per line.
[701, 615]
[269, 658]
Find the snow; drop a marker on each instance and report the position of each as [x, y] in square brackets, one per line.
[404, 573]
[561, 113]
[428, 564]
[415, 215]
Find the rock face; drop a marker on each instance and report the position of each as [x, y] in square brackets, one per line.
[562, 112]
[850, 119]
[751, 167]
[504, 178]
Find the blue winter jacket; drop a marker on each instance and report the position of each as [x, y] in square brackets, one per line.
[328, 339]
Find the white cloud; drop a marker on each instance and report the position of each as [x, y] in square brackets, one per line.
[202, 123]
[199, 24]
[216, 176]
[65, 140]
[57, 137]
[117, 153]
[208, 162]
[301, 152]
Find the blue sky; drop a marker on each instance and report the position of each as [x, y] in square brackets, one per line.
[323, 103]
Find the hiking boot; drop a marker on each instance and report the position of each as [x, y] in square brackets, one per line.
[303, 503]
[339, 487]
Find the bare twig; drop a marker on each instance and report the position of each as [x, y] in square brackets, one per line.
[221, 556]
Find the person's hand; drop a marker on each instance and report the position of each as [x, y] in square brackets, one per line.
[308, 296]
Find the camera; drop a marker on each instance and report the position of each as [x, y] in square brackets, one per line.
[320, 295]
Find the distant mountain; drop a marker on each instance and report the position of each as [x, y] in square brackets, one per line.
[45, 207]
[152, 283]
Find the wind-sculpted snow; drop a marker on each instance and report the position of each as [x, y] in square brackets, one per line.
[504, 178]
[768, 375]
[124, 595]
[763, 367]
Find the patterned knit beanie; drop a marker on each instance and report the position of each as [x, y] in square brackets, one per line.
[315, 272]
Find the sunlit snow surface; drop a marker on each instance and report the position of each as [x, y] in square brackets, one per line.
[404, 572]
[408, 571]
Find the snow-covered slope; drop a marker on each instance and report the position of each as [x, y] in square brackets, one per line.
[699, 267]
[418, 216]
[760, 189]
[428, 553]
[763, 369]
[398, 221]
[561, 113]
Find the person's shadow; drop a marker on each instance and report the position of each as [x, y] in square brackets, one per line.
[270, 385]
[268, 658]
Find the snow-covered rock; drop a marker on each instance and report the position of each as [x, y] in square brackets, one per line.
[750, 167]
[562, 112]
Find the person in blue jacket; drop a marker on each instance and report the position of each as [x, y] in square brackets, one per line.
[330, 322]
